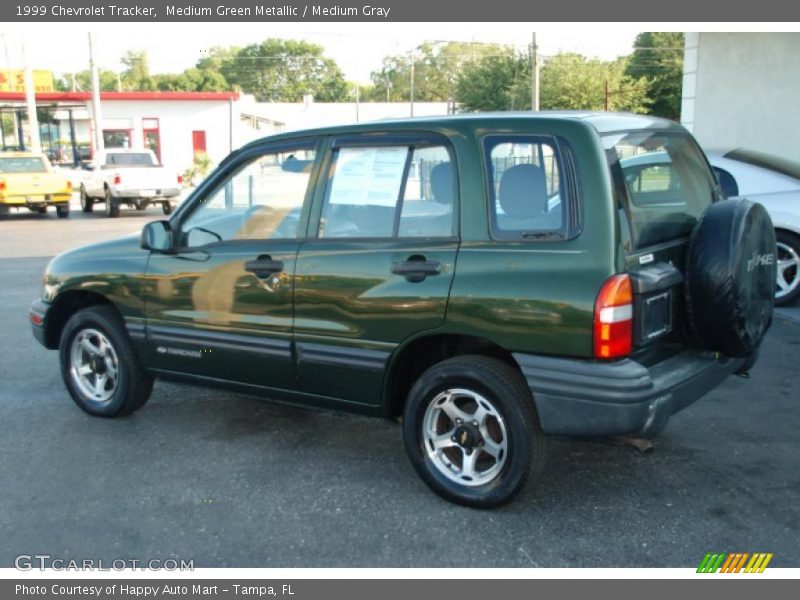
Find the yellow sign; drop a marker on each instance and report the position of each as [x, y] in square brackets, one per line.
[13, 80]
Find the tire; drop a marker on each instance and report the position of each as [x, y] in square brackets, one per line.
[509, 445]
[788, 276]
[166, 208]
[102, 328]
[42, 210]
[730, 278]
[87, 203]
[112, 208]
[62, 210]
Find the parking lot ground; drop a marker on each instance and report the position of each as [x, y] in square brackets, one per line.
[233, 481]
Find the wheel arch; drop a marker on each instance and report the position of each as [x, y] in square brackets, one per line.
[64, 306]
[418, 354]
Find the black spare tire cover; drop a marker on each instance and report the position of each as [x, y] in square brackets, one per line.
[730, 277]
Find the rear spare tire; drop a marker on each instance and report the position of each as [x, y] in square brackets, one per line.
[730, 277]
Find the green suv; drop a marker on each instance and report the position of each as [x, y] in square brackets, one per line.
[491, 279]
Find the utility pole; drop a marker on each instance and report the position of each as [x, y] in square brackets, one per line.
[607, 94]
[16, 125]
[534, 74]
[97, 116]
[411, 85]
[30, 99]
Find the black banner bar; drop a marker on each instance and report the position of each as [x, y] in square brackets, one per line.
[33, 11]
[729, 587]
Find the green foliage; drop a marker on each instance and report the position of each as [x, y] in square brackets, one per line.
[83, 81]
[567, 82]
[136, 76]
[284, 70]
[436, 70]
[658, 57]
[573, 82]
[499, 81]
[201, 165]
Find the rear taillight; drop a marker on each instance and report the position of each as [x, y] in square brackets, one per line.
[69, 186]
[2, 186]
[117, 179]
[180, 179]
[613, 318]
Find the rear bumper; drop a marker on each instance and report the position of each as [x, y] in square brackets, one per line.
[148, 194]
[584, 398]
[35, 200]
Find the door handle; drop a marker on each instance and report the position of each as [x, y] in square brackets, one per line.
[416, 270]
[263, 266]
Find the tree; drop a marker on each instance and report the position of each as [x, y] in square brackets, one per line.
[83, 81]
[436, 69]
[495, 82]
[284, 70]
[658, 57]
[136, 76]
[567, 82]
[573, 82]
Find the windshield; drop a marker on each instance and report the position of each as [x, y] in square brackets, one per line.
[130, 159]
[663, 184]
[22, 164]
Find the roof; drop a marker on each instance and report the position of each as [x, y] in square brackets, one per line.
[602, 122]
[134, 96]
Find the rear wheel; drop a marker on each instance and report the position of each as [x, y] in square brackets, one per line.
[112, 208]
[62, 210]
[100, 366]
[788, 289]
[87, 203]
[166, 207]
[42, 210]
[471, 431]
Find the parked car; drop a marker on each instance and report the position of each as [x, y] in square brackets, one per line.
[132, 177]
[471, 274]
[775, 183]
[27, 180]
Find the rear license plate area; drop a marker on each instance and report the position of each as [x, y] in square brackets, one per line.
[655, 316]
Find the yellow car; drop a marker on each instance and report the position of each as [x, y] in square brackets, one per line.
[27, 180]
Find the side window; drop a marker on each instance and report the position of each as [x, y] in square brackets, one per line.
[526, 187]
[389, 191]
[263, 200]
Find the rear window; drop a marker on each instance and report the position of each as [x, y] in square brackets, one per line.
[130, 159]
[22, 164]
[663, 183]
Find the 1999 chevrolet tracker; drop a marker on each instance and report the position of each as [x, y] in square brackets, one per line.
[489, 278]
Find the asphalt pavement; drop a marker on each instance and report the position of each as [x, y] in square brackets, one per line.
[233, 481]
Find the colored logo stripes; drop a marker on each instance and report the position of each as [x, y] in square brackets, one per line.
[734, 562]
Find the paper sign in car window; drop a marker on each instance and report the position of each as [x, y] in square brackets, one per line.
[368, 176]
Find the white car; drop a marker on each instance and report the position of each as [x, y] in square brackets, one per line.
[133, 177]
[775, 183]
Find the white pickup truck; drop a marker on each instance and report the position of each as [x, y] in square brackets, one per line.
[133, 177]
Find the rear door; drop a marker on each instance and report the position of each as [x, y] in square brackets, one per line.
[663, 185]
[378, 262]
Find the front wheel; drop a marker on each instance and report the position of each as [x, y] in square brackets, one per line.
[100, 366]
[471, 431]
[788, 288]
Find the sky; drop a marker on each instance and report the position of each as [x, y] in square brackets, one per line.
[358, 48]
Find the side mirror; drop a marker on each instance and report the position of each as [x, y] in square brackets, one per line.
[157, 237]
